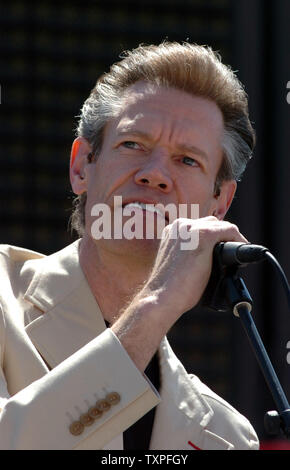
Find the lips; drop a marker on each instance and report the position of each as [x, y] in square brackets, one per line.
[153, 207]
[147, 207]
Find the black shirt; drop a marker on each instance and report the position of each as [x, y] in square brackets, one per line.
[138, 436]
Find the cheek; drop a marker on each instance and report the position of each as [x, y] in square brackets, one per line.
[107, 177]
[198, 191]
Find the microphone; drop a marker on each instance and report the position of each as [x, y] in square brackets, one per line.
[228, 257]
[238, 254]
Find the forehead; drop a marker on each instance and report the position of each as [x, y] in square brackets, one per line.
[148, 107]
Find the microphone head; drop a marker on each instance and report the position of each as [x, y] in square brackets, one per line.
[237, 253]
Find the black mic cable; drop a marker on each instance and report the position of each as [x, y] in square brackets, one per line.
[281, 273]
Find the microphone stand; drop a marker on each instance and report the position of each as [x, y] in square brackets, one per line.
[241, 303]
[226, 289]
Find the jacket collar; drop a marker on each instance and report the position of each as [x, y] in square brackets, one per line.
[54, 277]
[69, 316]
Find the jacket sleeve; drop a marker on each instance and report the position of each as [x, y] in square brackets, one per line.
[52, 412]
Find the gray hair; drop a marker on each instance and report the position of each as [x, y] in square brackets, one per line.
[195, 69]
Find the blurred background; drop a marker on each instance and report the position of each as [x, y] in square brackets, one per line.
[51, 55]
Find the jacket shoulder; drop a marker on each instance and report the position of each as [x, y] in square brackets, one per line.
[17, 254]
[17, 266]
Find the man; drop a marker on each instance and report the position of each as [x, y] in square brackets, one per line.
[167, 125]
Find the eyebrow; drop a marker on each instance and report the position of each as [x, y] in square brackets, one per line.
[182, 147]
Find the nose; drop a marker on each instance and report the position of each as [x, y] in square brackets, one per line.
[155, 175]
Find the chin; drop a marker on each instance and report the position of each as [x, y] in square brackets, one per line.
[135, 248]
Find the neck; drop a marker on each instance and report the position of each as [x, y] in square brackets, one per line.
[114, 274]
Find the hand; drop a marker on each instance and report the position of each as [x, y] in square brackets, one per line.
[175, 285]
[180, 276]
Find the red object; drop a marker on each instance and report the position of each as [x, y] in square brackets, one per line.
[195, 447]
[275, 445]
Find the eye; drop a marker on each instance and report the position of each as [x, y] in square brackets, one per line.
[130, 144]
[190, 161]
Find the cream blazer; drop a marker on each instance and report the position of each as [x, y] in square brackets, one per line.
[58, 358]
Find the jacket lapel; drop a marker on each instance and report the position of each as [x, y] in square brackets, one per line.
[69, 316]
[183, 416]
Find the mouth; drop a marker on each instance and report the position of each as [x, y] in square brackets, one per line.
[156, 208]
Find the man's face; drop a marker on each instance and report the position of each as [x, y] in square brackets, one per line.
[164, 147]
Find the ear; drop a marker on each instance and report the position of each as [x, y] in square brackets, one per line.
[224, 199]
[78, 160]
